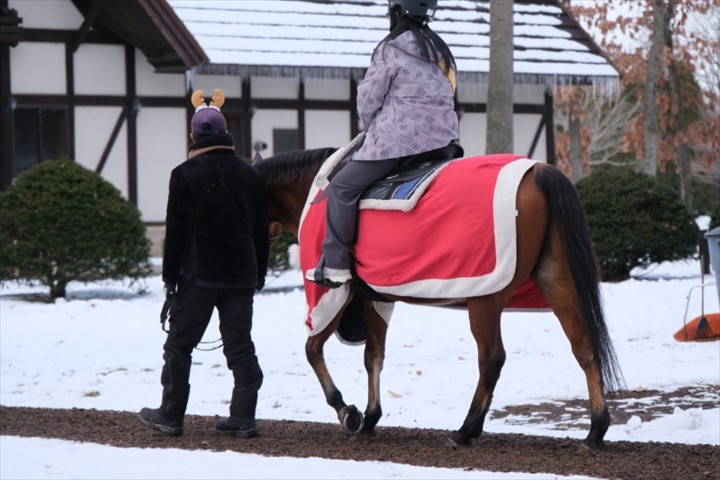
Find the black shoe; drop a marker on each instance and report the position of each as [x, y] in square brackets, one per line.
[237, 427]
[154, 419]
[328, 277]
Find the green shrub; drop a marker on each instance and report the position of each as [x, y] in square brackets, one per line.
[634, 221]
[279, 261]
[61, 223]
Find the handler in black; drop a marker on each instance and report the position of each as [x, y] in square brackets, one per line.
[216, 256]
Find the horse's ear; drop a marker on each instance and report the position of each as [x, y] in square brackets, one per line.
[257, 159]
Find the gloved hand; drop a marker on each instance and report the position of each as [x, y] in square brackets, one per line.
[260, 284]
[170, 290]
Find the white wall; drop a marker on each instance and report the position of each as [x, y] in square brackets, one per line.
[93, 127]
[534, 94]
[327, 89]
[473, 127]
[50, 14]
[472, 133]
[230, 85]
[274, 87]
[100, 69]
[151, 84]
[326, 128]
[524, 130]
[476, 93]
[38, 68]
[265, 121]
[162, 145]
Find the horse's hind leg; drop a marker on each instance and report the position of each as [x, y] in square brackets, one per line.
[553, 277]
[376, 333]
[485, 326]
[349, 416]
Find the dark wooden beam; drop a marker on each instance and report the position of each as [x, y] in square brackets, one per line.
[68, 36]
[10, 30]
[534, 143]
[7, 124]
[92, 15]
[97, 101]
[249, 110]
[70, 82]
[517, 108]
[301, 115]
[549, 130]
[354, 120]
[132, 158]
[111, 140]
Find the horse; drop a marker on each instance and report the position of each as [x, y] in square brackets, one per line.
[553, 248]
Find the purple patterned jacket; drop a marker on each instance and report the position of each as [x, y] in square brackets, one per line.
[405, 104]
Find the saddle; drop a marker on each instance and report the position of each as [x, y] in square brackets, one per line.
[411, 175]
[401, 188]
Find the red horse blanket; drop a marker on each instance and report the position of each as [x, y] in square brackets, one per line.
[458, 241]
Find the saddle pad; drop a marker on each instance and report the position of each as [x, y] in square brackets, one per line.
[458, 242]
[402, 190]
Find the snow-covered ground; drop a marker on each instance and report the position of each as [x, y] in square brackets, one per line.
[102, 348]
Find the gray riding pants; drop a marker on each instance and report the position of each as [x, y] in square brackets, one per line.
[344, 194]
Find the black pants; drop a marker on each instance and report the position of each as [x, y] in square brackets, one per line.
[341, 210]
[190, 313]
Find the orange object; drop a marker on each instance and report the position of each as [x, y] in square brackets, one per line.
[701, 329]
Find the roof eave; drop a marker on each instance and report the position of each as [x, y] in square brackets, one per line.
[175, 32]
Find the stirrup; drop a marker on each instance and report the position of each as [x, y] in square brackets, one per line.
[317, 276]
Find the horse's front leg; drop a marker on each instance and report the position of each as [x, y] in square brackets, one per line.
[349, 416]
[376, 333]
[485, 326]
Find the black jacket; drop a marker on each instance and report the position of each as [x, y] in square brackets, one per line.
[216, 224]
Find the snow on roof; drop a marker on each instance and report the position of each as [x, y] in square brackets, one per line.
[322, 38]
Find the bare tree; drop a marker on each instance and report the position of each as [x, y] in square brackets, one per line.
[500, 90]
[596, 125]
[575, 129]
[608, 121]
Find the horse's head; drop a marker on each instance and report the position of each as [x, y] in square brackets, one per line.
[288, 177]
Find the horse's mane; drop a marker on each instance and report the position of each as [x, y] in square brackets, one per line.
[292, 166]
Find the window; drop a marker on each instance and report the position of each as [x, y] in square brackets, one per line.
[285, 141]
[40, 135]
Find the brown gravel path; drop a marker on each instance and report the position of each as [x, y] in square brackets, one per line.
[422, 447]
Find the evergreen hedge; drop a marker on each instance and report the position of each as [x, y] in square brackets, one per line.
[61, 222]
[635, 220]
[279, 260]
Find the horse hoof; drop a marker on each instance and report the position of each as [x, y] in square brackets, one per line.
[352, 420]
[457, 440]
[594, 446]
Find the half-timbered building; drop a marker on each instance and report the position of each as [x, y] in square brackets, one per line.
[107, 82]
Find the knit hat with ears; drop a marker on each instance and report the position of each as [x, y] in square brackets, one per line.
[207, 119]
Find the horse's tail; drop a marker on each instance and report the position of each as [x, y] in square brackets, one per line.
[565, 212]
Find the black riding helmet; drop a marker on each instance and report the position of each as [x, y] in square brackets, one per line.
[421, 10]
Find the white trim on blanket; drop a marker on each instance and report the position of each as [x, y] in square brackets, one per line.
[327, 308]
[321, 178]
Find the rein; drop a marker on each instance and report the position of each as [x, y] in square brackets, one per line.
[165, 317]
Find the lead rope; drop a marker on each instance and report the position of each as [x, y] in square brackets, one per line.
[165, 317]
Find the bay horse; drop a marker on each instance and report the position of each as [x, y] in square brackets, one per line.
[553, 248]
